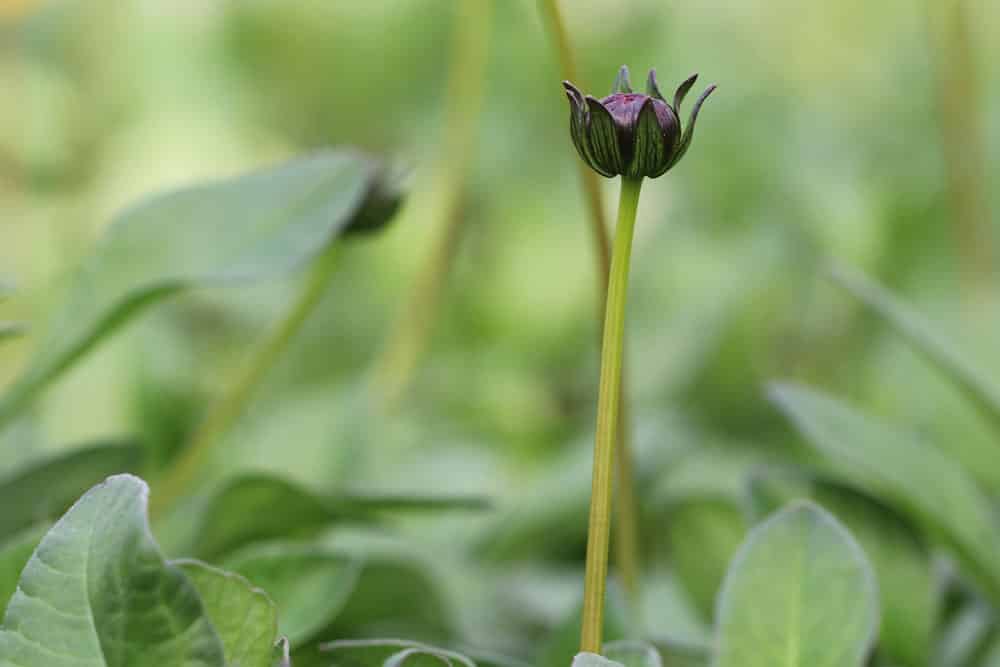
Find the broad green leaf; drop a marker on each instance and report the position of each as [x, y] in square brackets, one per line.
[978, 386]
[243, 615]
[799, 593]
[259, 507]
[309, 584]
[44, 489]
[913, 477]
[392, 653]
[14, 554]
[632, 653]
[98, 593]
[593, 660]
[241, 229]
[908, 587]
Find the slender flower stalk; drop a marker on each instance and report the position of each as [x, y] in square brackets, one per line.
[633, 136]
[232, 404]
[405, 344]
[960, 104]
[626, 503]
[608, 404]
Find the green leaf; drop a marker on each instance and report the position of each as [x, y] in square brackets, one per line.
[243, 615]
[259, 507]
[395, 595]
[44, 489]
[593, 660]
[910, 475]
[309, 584]
[241, 229]
[8, 329]
[631, 653]
[98, 593]
[14, 555]
[908, 587]
[799, 593]
[392, 653]
[11, 330]
[978, 386]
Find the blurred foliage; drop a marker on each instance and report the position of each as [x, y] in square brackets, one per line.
[824, 144]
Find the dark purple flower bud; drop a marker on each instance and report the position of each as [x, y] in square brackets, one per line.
[631, 134]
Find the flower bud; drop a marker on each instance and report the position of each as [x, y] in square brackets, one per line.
[631, 134]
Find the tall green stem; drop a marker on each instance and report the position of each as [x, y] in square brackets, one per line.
[405, 344]
[231, 405]
[626, 505]
[608, 404]
[960, 107]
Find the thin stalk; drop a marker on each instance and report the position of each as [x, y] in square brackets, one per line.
[232, 404]
[626, 505]
[960, 106]
[406, 343]
[608, 404]
[591, 186]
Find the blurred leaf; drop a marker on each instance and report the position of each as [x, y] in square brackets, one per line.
[392, 653]
[704, 535]
[976, 385]
[483, 659]
[11, 330]
[910, 475]
[98, 592]
[243, 615]
[241, 229]
[908, 588]
[14, 555]
[800, 593]
[593, 660]
[965, 636]
[309, 584]
[394, 594]
[44, 489]
[257, 507]
[699, 498]
[676, 654]
[633, 653]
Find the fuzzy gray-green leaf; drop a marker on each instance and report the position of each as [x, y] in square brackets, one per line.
[799, 593]
[237, 230]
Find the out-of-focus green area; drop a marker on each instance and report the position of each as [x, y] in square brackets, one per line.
[827, 141]
[824, 141]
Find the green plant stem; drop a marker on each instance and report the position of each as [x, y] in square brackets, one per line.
[231, 405]
[591, 186]
[608, 403]
[626, 505]
[407, 341]
[960, 105]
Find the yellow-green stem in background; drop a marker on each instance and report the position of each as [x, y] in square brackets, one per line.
[960, 108]
[626, 504]
[608, 403]
[228, 408]
[408, 339]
